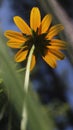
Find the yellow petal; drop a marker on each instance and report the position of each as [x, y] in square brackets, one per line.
[45, 24]
[35, 18]
[53, 56]
[21, 55]
[22, 25]
[14, 35]
[56, 47]
[50, 60]
[54, 31]
[33, 62]
[57, 44]
[57, 53]
[14, 43]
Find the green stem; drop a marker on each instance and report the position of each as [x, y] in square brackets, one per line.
[27, 73]
[26, 84]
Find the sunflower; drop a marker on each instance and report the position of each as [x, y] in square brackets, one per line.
[41, 35]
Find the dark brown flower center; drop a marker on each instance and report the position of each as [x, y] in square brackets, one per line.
[40, 42]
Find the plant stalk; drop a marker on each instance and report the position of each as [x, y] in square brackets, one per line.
[26, 85]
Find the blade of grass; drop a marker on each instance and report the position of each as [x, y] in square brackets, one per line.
[14, 88]
[13, 82]
[38, 119]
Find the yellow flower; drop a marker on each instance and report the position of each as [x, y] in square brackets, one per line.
[41, 34]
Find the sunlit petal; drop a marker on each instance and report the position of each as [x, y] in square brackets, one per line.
[50, 60]
[22, 25]
[57, 44]
[21, 55]
[45, 24]
[35, 18]
[15, 43]
[57, 53]
[55, 30]
[14, 35]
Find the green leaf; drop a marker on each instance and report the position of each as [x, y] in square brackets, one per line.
[13, 81]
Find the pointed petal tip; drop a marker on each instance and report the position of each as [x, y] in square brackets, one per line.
[6, 33]
[34, 8]
[60, 26]
[15, 17]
